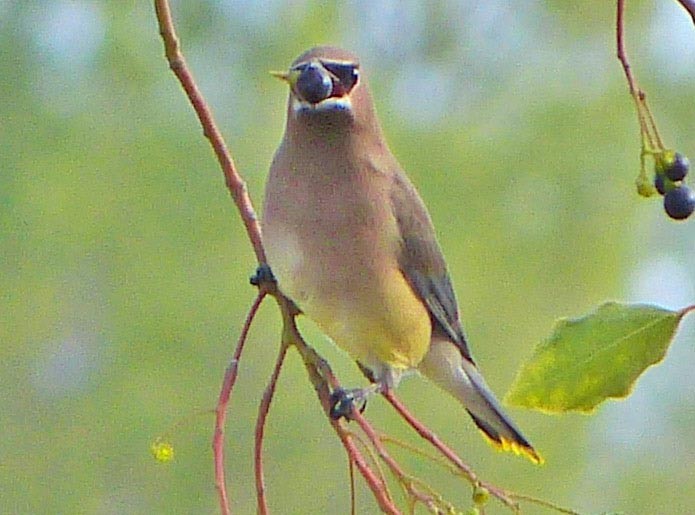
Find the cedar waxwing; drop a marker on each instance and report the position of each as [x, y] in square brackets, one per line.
[350, 241]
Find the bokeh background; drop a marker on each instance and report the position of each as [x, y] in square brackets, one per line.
[124, 267]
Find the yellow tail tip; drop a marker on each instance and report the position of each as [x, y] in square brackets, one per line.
[519, 449]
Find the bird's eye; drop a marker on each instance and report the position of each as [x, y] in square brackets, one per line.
[346, 73]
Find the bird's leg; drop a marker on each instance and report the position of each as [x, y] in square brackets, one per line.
[265, 279]
[263, 275]
[343, 401]
[368, 373]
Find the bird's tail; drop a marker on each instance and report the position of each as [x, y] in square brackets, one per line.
[445, 366]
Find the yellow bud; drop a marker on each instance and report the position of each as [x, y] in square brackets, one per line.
[644, 187]
[481, 495]
[162, 451]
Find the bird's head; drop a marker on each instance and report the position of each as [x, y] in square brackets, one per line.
[327, 86]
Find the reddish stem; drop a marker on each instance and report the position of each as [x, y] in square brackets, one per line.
[239, 193]
[322, 377]
[620, 44]
[353, 499]
[235, 184]
[391, 463]
[230, 376]
[375, 484]
[686, 310]
[263, 410]
[427, 434]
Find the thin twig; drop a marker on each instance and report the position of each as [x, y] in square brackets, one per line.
[321, 376]
[392, 464]
[373, 458]
[230, 376]
[263, 410]
[427, 434]
[319, 372]
[546, 504]
[686, 310]
[654, 135]
[353, 493]
[239, 193]
[622, 56]
[235, 184]
[647, 125]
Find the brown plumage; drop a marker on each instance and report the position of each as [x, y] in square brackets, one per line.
[350, 241]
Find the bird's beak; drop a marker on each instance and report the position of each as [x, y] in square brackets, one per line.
[313, 88]
[290, 77]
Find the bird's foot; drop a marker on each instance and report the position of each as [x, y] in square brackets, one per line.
[263, 276]
[343, 402]
[266, 282]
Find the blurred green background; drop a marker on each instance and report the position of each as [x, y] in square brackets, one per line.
[124, 270]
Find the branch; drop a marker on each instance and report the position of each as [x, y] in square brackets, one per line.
[652, 144]
[230, 376]
[622, 56]
[318, 370]
[323, 380]
[404, 479]
[235, 184]
[238, 191]
[263, 410]
[427, 434]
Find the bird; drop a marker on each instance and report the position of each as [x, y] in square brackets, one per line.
[349, 240]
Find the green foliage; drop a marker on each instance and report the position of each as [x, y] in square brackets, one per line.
[598, 356]
[124, 270]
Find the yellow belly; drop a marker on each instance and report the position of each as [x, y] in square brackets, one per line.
[382, 324]
[352, 288]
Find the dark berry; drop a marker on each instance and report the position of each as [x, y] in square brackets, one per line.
[659, 183]
[677, 168]
[314, 84]
[679, 202]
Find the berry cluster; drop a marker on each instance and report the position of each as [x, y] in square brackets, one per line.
[670, 171]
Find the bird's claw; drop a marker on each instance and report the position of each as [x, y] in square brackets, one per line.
[344, 401]
[263, 275]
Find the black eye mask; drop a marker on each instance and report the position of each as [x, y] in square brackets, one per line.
[346, 75]
[317, 82]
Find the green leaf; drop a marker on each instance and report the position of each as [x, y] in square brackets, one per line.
[589, 359]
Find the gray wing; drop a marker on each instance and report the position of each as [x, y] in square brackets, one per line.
[422, 263]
